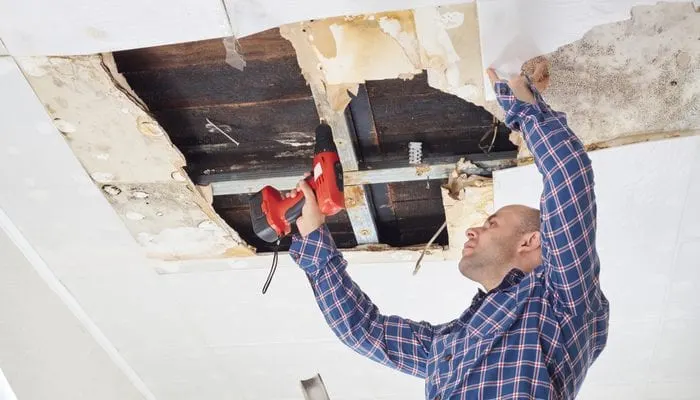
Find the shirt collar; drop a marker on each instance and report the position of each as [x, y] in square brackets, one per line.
[512, 278]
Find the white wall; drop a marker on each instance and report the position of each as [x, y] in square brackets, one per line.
[45, 350]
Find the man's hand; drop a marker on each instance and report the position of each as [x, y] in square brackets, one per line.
[311, 217]
[539, 77]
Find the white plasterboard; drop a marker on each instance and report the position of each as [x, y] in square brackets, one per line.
[70, 27]
[514, 31]
[251, 16]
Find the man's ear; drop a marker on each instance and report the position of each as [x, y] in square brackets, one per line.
[531, 241]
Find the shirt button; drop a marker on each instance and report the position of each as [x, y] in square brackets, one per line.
[447, 357]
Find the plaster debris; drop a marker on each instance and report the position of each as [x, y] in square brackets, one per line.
[233, 55]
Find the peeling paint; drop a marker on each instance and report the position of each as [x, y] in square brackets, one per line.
[340, 53]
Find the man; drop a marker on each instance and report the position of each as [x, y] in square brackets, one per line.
[542, 320]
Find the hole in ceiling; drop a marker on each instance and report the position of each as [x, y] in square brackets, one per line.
[271, 114]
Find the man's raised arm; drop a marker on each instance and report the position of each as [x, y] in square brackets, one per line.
[568, 207]
[390, 340]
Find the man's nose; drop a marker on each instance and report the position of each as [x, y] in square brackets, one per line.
[472, 233]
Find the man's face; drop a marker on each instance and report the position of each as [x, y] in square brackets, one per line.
[490, 246]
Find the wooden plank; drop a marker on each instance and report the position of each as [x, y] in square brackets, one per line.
[363, 120]
[288, 123]
[410, 110]
[215, 84]
[415, 191]
[266, 46]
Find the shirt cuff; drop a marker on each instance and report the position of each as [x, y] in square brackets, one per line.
[516, 111]
[314, 251]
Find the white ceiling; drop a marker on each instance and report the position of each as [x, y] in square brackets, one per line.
[213, 335]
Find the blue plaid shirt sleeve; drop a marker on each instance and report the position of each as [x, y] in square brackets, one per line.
[390, 340]
[568, 207]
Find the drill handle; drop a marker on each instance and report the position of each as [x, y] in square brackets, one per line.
[293, 210]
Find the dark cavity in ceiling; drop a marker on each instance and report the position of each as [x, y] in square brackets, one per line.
[269, 110]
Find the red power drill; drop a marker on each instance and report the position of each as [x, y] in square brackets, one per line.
[273, 214]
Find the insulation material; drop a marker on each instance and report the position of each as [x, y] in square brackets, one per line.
[549, 25]
[130, 158]
[71, 27]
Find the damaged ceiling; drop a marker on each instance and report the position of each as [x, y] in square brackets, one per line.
[178, 135]
[232, 124]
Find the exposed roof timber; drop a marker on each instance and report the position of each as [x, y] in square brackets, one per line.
[380, 172]
[356, 199]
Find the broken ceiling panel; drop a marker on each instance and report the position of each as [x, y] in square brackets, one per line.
[401, 44]
[268, 110]
[450, 49]
[75, 27]
[253, 16]
[130, 158]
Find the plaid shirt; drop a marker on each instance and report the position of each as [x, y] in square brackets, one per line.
[532, 337]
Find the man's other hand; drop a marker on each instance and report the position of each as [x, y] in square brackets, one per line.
[311, 217]
[539, 76]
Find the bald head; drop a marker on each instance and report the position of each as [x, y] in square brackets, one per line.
[510, 238]
[529, 219]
